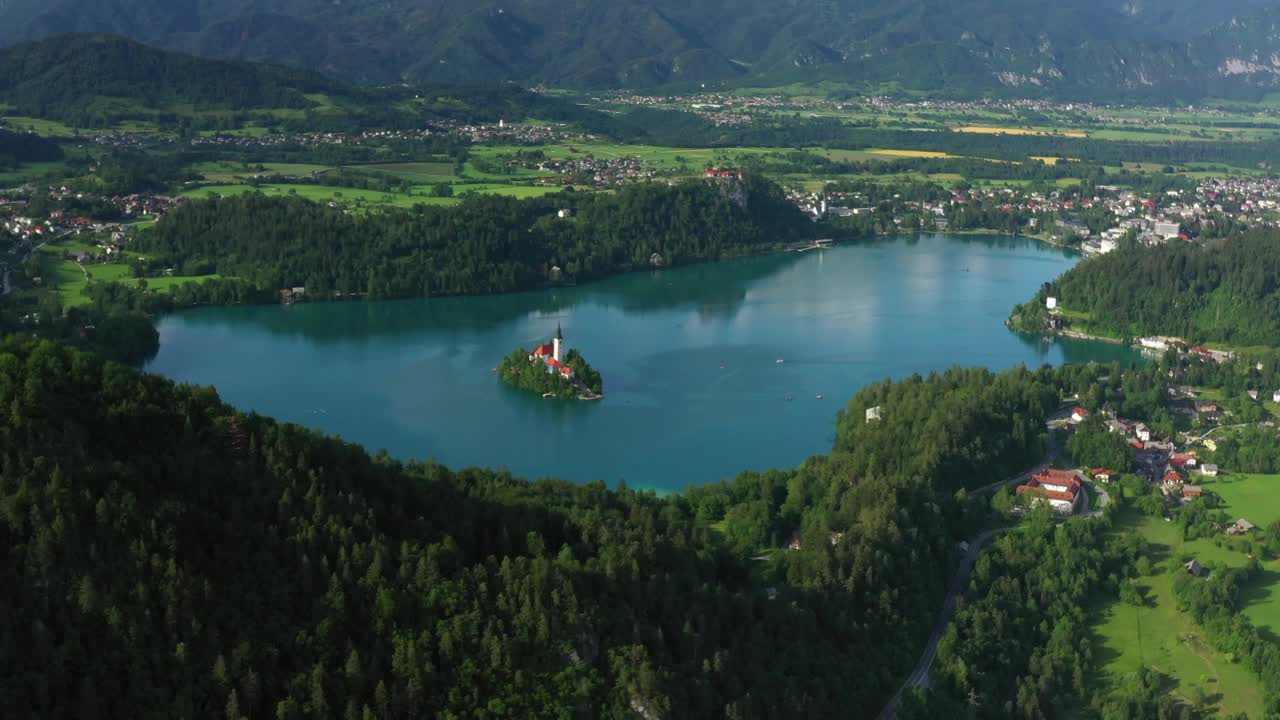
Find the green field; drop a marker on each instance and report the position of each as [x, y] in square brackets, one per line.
[322, 193]
[1255, 498]
[64, 276]
[417, 172]
[166, 284]
[222, 171]
[346, 196]
[1160, 637]
[39, 126]
[29, 171]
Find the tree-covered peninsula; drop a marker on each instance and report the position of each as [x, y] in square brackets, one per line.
[1221, 290]
[484, 245]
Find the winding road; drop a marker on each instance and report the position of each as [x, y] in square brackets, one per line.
[919, 677]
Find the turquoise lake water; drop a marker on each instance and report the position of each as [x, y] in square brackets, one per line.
[694, 390]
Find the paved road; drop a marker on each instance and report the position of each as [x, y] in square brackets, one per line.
[920, 676]
[1214, 430]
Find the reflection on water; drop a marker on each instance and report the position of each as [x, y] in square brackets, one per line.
[690, 356]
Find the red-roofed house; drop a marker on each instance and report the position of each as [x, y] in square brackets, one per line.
[1172, 478]
[1079, 414]
[1102, 475]
[1060, 488]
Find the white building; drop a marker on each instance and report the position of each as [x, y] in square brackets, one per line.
[1052, 304]
[873, 413]
[1143, 433]
[1167, 230]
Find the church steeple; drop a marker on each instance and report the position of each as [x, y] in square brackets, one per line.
[559, 334]
[557, 343]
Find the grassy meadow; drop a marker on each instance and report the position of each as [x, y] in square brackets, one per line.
[1160, 637]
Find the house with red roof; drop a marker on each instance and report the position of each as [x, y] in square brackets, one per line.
[1062, 489]
[1079, 414]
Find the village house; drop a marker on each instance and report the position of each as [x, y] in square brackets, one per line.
[1079, 414]
[1102, 475]
[1240, 527]
[873, 414]
[1209, 470]
[1142, 432]
[1195, 568]
[1060, 488]
[1191, 492]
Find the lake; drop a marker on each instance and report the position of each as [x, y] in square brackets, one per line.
[709, 370]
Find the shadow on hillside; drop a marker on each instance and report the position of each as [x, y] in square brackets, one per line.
[1263, 588]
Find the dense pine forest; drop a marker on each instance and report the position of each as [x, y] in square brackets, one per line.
[1223, 290]
[166, 556]
[485, 245]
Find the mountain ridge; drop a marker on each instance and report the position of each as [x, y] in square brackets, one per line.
[1069, 48]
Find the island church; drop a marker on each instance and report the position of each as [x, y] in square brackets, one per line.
[552, 354]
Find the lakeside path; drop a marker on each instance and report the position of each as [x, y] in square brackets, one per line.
[919, 677]
[1086, 336]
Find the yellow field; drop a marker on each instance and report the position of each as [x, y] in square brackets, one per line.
[913, 153]
[1050, 160]
[986, 130]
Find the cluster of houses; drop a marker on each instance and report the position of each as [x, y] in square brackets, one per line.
[26, 232]
[715, 101]
[500, 132]
[1175, 471]
[1173, 216]
[600, 172]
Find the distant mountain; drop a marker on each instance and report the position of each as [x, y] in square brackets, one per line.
[1111, 48]
[98, 80]
[68, 75]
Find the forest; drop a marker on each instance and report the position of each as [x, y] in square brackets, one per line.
[1223, 290]
[486, 244]
[170, 556]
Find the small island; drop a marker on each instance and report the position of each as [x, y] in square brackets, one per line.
[551, 372]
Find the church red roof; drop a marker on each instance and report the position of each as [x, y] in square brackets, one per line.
[545, 350]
